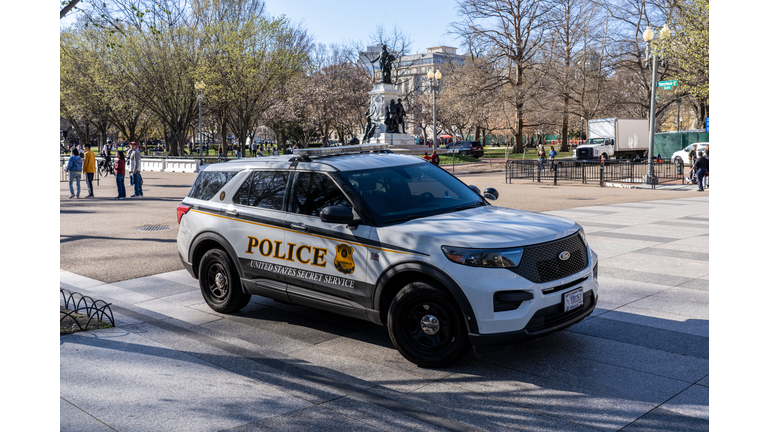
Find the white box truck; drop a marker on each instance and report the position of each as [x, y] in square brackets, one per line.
[614, 138]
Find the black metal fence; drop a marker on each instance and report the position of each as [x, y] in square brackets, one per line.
[665, 171]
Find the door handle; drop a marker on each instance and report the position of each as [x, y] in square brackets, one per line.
[232, 213]
[299, 226]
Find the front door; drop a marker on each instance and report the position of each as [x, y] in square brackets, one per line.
[330, 260]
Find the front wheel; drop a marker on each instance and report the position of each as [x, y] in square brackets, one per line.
[426, 326]
[103, 170]
[220, 283]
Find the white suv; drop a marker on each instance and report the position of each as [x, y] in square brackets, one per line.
[387, 238]
[681, 156]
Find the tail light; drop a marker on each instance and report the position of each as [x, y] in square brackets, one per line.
[181, 210]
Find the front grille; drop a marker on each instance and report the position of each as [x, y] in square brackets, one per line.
[583, 153]
[553, 315]
[541, 263]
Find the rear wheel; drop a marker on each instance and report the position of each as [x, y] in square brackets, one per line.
[103, 170]
[220, 283]
[426, 326]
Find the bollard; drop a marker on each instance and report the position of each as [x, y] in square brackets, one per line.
[583, 172]
[555, 167]
[602, 169]
[538, 175]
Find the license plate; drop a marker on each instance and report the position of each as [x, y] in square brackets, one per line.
[573, 299]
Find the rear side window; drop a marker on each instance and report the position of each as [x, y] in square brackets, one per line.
[208, 183]
[263, 189]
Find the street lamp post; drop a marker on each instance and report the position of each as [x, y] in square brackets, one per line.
[581, 137]
[434, 87]
[199, 87]
[652, 56]
[678, 93]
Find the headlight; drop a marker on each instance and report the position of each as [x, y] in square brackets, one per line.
[501, 258]
[583, 235]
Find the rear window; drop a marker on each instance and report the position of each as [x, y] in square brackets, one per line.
[208, 183]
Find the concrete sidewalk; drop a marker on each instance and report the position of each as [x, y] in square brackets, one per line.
[640, 362]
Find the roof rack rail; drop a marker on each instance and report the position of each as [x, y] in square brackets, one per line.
[304, 154]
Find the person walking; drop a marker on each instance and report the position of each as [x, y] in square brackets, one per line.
[542, 157]
[136, 171]
[120, 175]
[221, 150]
[89, 168]
[75, 169]
[552, 154]
[701, 168]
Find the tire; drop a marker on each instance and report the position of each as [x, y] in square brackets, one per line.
[220, 283]
[605, 156]
[464, 153]
[103, 170]
[419, 309]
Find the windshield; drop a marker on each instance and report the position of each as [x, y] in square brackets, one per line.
[595, 141]
[401, 193]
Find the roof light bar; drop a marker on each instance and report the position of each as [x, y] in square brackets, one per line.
[341, 150]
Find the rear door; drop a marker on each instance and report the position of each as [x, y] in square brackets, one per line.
[255, 228]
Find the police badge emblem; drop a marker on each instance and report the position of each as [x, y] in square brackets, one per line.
[343, 261]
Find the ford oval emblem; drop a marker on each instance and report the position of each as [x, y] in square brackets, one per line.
[564, 255]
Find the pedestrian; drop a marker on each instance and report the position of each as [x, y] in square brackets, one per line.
[136, 171]
[427, 157]
[435, 160]
[692, 155]
[275, 151]
[701, 168]
[542, 157]
[120, 175]
[552, 154]
[221, 151]
[259, 153]
[128, 157]
[75, 168]
[89, 168]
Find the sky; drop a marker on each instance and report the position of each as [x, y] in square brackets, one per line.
[339, 21]
[426, 22]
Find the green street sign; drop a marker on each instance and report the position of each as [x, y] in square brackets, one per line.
[666, 85]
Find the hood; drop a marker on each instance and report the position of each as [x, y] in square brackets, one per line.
[485, 227]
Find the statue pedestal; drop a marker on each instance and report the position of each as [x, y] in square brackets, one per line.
[402, 143]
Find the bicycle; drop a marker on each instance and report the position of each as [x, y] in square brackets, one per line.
[105, 168]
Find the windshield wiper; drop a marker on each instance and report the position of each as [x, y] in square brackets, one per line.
[477, 204]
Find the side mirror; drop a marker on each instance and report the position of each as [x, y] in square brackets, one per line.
[476, 189]
[491, 194]
[336, 214]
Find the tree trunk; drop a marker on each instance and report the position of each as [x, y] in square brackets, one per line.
[564, 131]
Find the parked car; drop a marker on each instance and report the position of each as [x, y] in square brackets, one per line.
[367, 233]
[682, 155]
[466, 148]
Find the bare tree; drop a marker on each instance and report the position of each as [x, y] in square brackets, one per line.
[509, 34]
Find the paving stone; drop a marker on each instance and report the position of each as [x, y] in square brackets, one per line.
[182, 313]
[378, 417]
[73, 419]
[650, 277]
[314, 418]
[152, 387]
[657, 264]
[606, 327]
[155, 287]
[661, 420]
[692, 402]
[550, 397]
[180, 276]
[675, 253]
[546, 359]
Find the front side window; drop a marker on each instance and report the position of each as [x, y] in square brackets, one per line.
[207, 183]
[312, 192]
[263, 189]
[397, 194]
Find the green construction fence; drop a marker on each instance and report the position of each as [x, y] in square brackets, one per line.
[666, 143]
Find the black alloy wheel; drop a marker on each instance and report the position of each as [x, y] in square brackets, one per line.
[426, 326]
[220, 283]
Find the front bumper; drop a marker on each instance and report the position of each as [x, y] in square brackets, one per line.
[545, 321]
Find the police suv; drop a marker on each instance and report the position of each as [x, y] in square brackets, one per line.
[387, 238]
